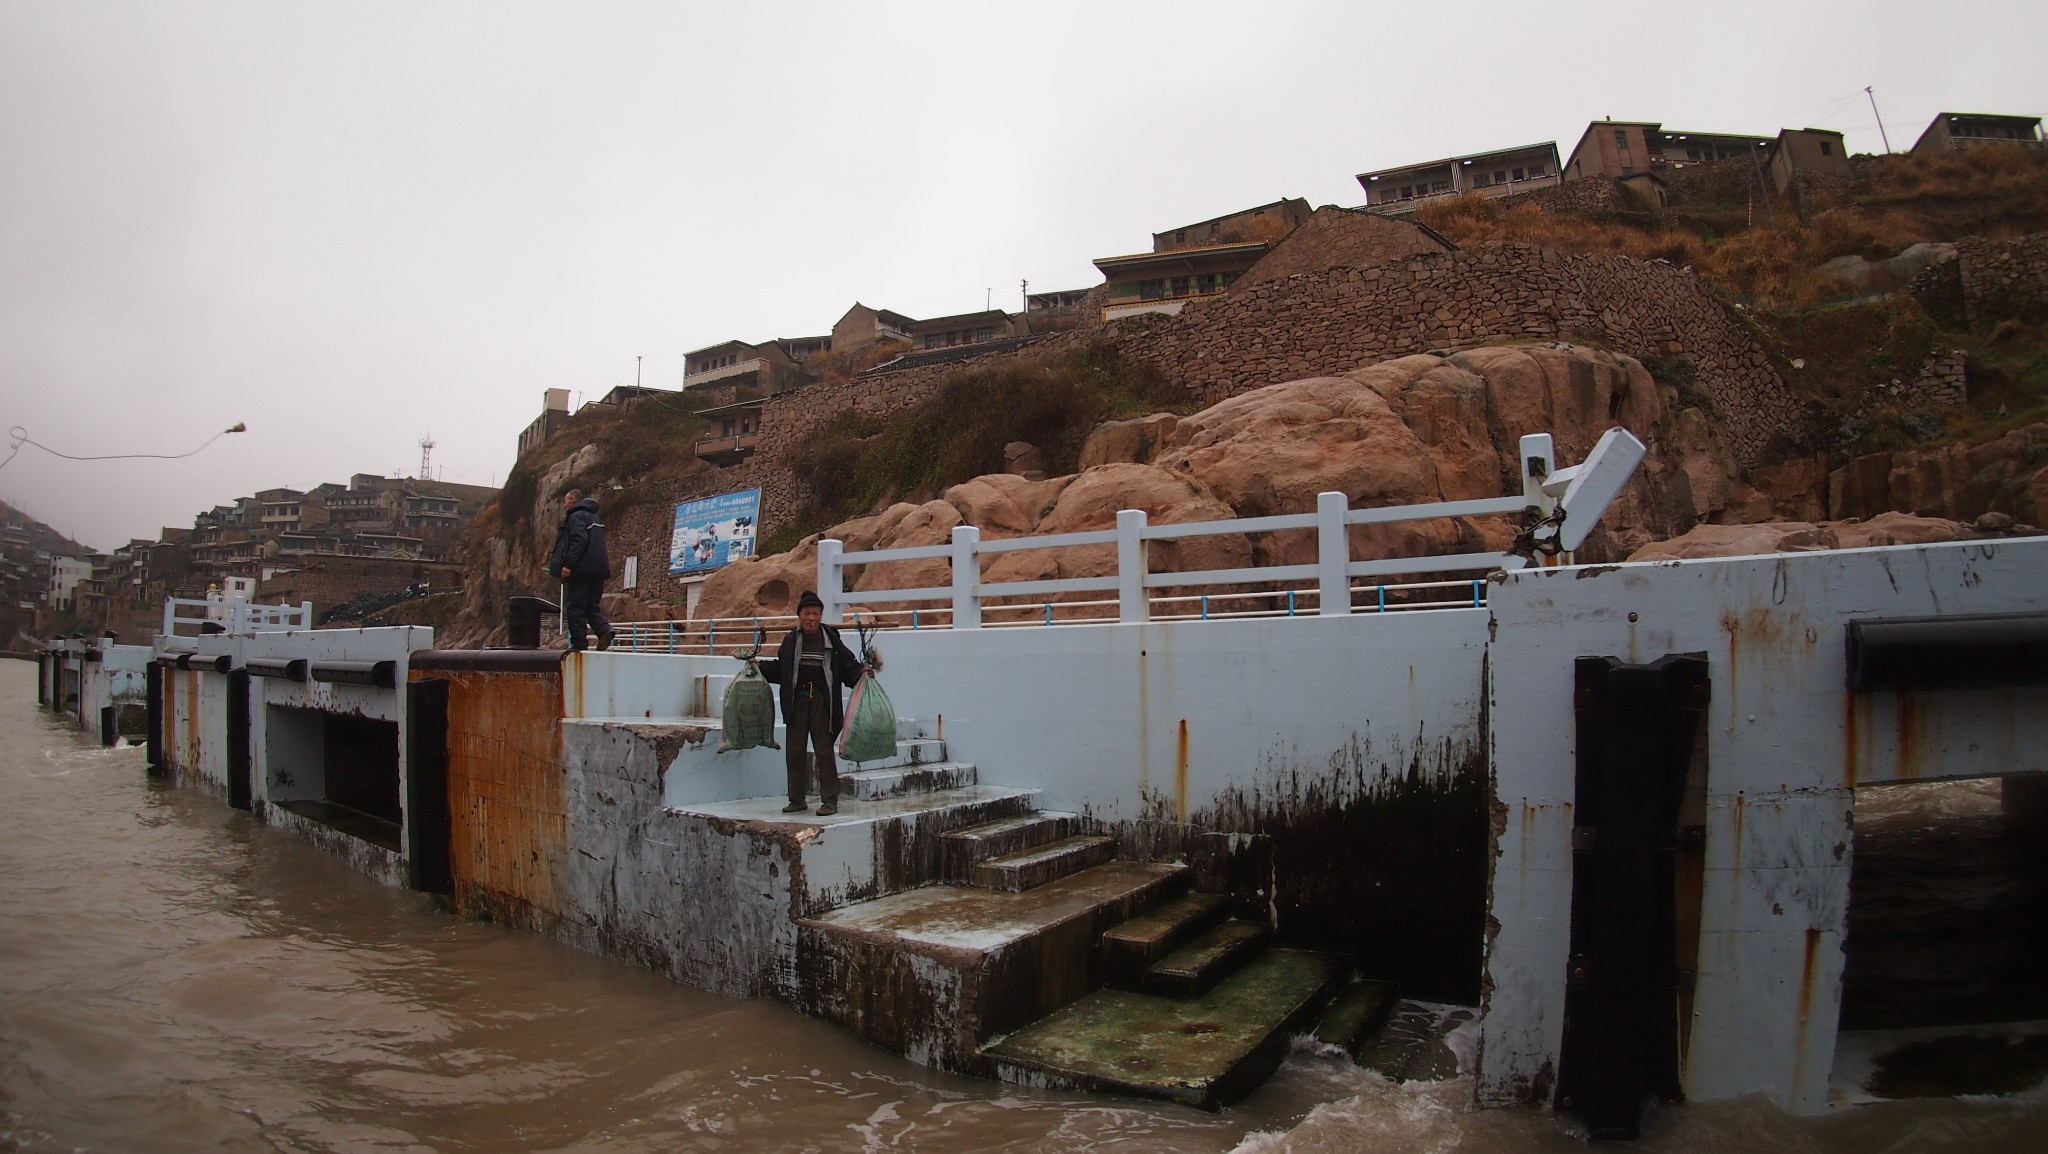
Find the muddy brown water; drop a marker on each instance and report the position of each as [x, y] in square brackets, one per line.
[175, 977]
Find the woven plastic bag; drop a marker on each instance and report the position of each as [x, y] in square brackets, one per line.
[870, 733]
[749, 712]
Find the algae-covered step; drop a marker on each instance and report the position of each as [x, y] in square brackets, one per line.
[1206, 1052]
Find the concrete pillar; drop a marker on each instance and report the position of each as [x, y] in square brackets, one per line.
[1131, 567]
[1333, 553]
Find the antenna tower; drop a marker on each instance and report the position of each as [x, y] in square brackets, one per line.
[426, 457]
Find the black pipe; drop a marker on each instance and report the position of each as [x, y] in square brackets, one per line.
[379, 673]
[292, 670]
[1963, 652]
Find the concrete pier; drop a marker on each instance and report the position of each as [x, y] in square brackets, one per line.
[1079, 818]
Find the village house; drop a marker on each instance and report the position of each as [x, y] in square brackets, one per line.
[735, 432]
[1955, 131]
[1624, 148]
[1195, 261]
[862, 326]
[962, 329]
[554, 410]
[1805, 151]
[1500, 172]
[766, 368]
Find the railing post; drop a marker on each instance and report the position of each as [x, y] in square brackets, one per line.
[1333, 553]
[170, 616]
[966, 577]
[830, 584]
[305, 614]
[1131, 602]
[1539, 460]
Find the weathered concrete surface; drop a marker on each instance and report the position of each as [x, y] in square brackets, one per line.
[935, 972]
[1205, 1052]
[507, 796]
[1786, 745]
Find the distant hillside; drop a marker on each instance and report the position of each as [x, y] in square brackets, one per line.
[38, 536]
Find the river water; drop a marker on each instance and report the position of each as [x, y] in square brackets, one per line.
[175, 977]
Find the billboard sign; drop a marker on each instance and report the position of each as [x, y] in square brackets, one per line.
[712, 532]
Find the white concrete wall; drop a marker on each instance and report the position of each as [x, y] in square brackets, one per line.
[285, 765]
[118, 676]
[1093, 714]
[1786, 746]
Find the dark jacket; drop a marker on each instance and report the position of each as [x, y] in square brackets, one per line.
[842, 670]
[579, 545]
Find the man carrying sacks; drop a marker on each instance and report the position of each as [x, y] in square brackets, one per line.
[810, 667]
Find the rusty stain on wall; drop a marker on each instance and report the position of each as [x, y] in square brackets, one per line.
[507, 795]
[1180, 775]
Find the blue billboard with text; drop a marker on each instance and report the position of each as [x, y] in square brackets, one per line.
[713, 532]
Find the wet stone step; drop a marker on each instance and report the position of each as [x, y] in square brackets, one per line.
[1195, 968]
[1357, 1014]
[963, 849]
[1206, 1052]
[1030, 868]
[895, 781]
[1130, 949]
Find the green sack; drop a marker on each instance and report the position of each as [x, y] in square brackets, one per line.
[749, 712]
[870, 733]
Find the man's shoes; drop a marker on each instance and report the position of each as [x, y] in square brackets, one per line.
[796, 807]
[604, 640]
[828, 809]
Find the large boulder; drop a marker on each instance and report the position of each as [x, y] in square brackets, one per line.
[1802, 536]
[1134, 442]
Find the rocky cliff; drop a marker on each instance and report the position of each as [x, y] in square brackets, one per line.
[1414, 429]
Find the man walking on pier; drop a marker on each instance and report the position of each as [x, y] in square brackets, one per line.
[810, 666]
[580, 560]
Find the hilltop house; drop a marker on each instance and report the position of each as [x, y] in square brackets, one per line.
[1624, 148]
[765, 369]
[1497, 173]
[1195, 261]
[1954, 131]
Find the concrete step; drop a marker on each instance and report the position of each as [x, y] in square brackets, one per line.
[1206, 1052]
[963, 849]
[1196, 968]
[935, 972]
[895, 781]
[1028, 869]
[1130, 949]
[869, 849]
[1357, 1014]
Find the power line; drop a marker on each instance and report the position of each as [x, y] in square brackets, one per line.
[21, 437]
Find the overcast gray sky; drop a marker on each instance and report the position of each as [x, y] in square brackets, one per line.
[353, 225]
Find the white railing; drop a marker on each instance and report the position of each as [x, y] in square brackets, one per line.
[729, 635]
[233, 615]
[1562, 504]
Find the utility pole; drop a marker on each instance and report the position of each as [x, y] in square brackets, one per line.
[1024, 288]
[1881, 134]
[636, 372]
[988, 299]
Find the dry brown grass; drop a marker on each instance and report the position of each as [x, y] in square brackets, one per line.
[1903, 200]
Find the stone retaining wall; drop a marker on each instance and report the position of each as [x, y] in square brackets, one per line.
[1337, 319]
